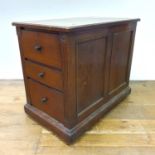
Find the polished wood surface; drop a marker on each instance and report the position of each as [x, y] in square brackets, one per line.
[71, 24]
[38, 46]
[46, 99]
[90, 71]
[44, 75]
[129, 129]
[119, 60]
[73, 78]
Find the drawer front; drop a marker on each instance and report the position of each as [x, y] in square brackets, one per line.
[50, 77]
[46, 99]
[41, 47]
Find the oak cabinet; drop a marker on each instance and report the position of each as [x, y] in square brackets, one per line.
[75, 70]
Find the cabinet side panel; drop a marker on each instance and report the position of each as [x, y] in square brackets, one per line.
[119, 60]
[68, 64]
[90, 72]
[19, 34]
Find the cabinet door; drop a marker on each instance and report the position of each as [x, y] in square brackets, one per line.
[120, 53]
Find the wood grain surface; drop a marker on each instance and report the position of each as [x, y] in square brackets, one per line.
[72, 79]
[129, 129]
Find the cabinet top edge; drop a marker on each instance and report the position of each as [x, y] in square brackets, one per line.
[71, 24]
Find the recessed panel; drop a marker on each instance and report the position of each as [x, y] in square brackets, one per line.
[90, 72]
[119, 60]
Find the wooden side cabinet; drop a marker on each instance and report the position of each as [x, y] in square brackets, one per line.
[75, 70]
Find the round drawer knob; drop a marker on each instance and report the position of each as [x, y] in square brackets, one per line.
[41, 74]
[44, 100]
[38, 48]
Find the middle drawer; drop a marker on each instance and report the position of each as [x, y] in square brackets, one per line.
[48, 76]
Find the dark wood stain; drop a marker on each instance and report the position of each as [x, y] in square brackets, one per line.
[74, 76]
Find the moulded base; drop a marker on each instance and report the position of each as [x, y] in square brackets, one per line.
[70, 135]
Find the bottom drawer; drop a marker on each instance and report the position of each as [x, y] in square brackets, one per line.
[46, 99]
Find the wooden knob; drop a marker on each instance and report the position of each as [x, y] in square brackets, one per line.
[44, 100]
[38, 48]
[41, 74]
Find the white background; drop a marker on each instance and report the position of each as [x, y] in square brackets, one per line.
[143, 66]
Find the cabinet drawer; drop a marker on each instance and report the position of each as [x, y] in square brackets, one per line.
[50, 77]
[46, 99]
[41, 47]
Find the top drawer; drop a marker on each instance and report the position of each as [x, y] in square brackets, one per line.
[41, 47]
